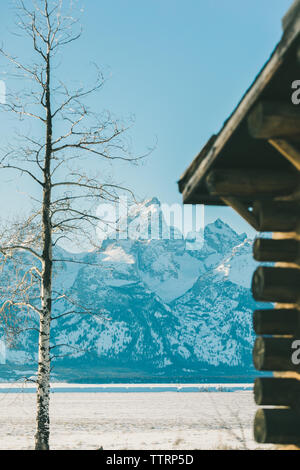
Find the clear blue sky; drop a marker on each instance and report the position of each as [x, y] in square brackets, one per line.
[179, 67]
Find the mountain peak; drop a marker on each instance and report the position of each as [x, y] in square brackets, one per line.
[151, 202]
[221, 236]
[220, 225]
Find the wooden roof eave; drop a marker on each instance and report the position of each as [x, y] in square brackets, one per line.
[192, 183]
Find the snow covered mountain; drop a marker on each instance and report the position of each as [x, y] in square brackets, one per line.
[150, 310]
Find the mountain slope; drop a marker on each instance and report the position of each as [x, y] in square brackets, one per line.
[151, 309]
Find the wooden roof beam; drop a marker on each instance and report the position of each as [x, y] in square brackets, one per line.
[276, 216]
[280, 322]
[284, 250]
[288, 150]
[270, 391]
[193, 177]
[255, 183]
[292, 13]
[243, 210]
[271, 120]
[277, 426]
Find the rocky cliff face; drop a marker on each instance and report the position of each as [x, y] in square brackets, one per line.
[151, 310]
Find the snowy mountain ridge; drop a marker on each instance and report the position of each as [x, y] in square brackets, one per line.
[161, 310]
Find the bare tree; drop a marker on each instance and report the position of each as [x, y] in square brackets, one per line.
[57, 159]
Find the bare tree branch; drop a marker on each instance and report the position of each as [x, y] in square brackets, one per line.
[58, 154]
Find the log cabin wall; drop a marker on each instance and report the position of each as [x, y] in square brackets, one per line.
[277, 330]
[275, 210]
[253, 165]
[293, 375]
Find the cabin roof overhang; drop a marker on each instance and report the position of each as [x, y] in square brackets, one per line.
[234, 147]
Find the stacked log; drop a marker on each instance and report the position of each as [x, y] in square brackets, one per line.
[277, 347]
[270, 201]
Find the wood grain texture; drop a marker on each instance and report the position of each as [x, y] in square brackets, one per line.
[287, 250]
[240, 183]
[278, 426]
[277, 321]
[274, 354]
[271, 120]
[275, 216]
[276, 284]
[270, 391]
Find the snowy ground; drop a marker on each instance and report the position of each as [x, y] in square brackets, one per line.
[136, 420]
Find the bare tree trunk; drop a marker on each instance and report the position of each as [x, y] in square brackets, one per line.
[43, 382]
[50, 26]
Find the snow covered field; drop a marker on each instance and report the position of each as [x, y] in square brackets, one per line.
[147, 420]
[20, 387]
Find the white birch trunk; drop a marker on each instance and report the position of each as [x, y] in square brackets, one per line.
[43, 381]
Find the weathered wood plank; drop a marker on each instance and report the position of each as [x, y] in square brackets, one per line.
[281, 321]
[277, 426]
[277, 217]
[286, 250]
[270, 120]
[240, 183]
[270, 391]
[243, 210]
[289, 151]
[194, 177]
[291, 15]
[274, 354]
[276, 284]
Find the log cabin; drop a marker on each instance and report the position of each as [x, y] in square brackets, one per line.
[253, 166]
